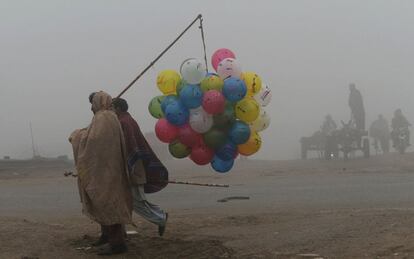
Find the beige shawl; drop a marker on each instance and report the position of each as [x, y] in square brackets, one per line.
[99, 153]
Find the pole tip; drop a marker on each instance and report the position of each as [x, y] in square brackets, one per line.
[199, 16]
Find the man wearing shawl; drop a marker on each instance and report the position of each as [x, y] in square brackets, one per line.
[104, 188]
[147, 173]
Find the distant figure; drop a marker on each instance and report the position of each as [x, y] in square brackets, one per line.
[399, 125]
[102, 174]
[147, 173]
[328, 126]
[380, 132]
[356, 104]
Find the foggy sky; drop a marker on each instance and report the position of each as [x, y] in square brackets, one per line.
[54, 53]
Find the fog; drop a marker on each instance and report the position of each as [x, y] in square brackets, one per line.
[54, 53]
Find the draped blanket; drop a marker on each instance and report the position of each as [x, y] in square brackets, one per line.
[139, 151]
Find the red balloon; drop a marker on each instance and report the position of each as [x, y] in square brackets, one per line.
[165, 131]
[214, 102]
[219, 55]
[188, 136]
[202, 155]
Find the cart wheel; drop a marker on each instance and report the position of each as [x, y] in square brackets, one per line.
[365, 147]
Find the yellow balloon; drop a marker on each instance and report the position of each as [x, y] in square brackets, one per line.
[212, 82]
[247, 110]
[251, 146]
[253, 82]
[167, 81]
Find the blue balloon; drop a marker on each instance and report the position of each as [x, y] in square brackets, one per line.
[168, 100]
[227, 152]
[176, 113]
[239, 133]
[234, 89]
[221, 166]
[191, 96]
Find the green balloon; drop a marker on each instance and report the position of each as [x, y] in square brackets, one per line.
[178, 150]
[154, 107]
[212, 82]
[225, 120]
[215, 138]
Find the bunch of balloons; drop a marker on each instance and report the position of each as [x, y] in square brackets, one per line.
[211, 117]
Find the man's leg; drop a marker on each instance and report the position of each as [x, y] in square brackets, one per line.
[116, 241]
[103, 239]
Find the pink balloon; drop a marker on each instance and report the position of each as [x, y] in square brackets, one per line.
[165, 131]
[229, 67]
[188, 136]
[219, 55]
[214, 102]
[202, 155]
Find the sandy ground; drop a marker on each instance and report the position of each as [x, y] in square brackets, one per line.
[296, 209]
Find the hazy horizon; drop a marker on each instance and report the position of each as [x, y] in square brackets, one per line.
[54, 53]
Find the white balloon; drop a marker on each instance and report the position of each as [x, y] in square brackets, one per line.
[229, 67]
[264, 96]
[261, 123]
[200, 121]
[193, 71]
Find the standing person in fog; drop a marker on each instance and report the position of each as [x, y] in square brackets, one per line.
[356, 104]
[147, 173]
[380, 132]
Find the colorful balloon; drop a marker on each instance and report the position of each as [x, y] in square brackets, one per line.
[201, 155]
[219, 55]
[229, 67]
[227, 152]
[165, 131]
[215, 138]
[225, 120]
[188, 136]
[264, 96]
[213, 102]
[239, 133]
[247, 110]
[193, 71]
[251, 146]
[154, 107]
[212, 82]
[221, 166]
[167, 100]
[234, 89]
[261, 123]
[200, 121]
[178, 149]
[167, 81]
[191, 96]
[180, 86]
[176, 113]
[253, 82]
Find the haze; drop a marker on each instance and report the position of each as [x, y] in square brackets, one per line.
[54, 53]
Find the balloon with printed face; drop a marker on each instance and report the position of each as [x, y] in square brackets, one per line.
[176, 113]
[167, 100]
[215, 138]
[229, 67]
[264, 96]
[261, 123]
[188, 137]
[253, 82]
[239, 133]
[227, 152]
[225, 120]
[165, 131]
[201, 155]
[213, 102]
[154, 107]
[167, 81]
[211, 82]
[191, 96]
[193, 71]
[200, 121]
[251, 146]
[219, 55]
[221, 166]
[247, 110]
[178, 149]
[234, 89]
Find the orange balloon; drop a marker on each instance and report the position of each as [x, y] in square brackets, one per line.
[251, 146]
